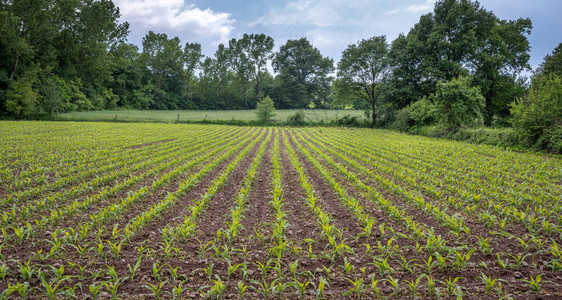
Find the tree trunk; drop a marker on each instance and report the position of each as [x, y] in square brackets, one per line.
[257, 86]
[373, 114]
[15, 68]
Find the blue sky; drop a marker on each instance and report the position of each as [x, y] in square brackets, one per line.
[330, 24]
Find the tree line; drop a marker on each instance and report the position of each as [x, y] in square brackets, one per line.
[67, 55]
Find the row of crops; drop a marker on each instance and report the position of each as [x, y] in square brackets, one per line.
[102, 210]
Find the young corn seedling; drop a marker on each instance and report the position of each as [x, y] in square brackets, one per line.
[4, 271]
[81, 268]
[82, 250]
[264, 288]
[374, 287]
[156, 289]
[413, 285]
[58, 272]
[174, 273]
[430, 264]
[383, 266]
[357, 289]
[322, 284]
[408, 265]
[484, 245]
[432, 289]
[301, 287]
[22, 289]
[112, 286]
[241, 288]
[177, 291]
[26, 270]
[501, 262]
[264, 267]
[519, 259]
[111, 272]
[451, 285]
[461, 260]
[347, 266]
[488, 282]
[233, 268]
[134, 269]
[156, 271]
[52, 290]
[534, 283]
[395, 285]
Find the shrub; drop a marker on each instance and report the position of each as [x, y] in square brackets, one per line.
[265, 110]
[21, 99]
[458, 103]
[297, 119]
[537, 118]
[347, 120]
[419, 113]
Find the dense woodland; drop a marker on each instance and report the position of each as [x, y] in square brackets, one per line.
[459, 65]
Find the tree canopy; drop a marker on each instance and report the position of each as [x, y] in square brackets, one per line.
[60, 56]
[363, 70]
[303, 73]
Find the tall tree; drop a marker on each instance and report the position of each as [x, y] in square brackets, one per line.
[249, 56]
[552, 63]
[259, 49]
[303, 74]
[363, 70]
[462, 38]
[164, 60]
[59, 45]
[192, 61]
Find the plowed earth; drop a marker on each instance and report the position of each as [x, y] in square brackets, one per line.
[411, 217]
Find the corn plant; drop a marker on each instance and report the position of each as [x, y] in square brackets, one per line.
[357, 289]
[134, 269]
[414, 284]
[534, 283]
[156, 289]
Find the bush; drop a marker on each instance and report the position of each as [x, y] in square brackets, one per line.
[21, 99]
[417, 114]
[348, 121]
[458, 103]
[265, 110]
[537, 118]
[297, 119]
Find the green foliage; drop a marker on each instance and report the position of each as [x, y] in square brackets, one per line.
[419, 113]
[552, 63]
[458, 103]
[303, 75]
[347, 120]
[71, 96]
[21, 98]
[458, 38]
[297, 119]
[265, 110]
[362, 71]
[51, 103]
[537, 118]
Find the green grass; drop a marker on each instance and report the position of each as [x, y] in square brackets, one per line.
[312, 115]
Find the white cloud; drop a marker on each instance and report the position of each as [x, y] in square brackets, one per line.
[418, 8]
[414, 8]
[332, 24]
[304, 12]
[175, 15]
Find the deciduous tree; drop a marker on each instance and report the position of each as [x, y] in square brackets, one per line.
[363, 70]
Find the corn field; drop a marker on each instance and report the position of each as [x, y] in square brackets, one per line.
[171, 211]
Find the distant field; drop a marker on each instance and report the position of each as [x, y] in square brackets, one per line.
[313, 115]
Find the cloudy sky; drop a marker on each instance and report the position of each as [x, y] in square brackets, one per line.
[330, 24]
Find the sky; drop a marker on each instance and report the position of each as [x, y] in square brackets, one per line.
[330, 25]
